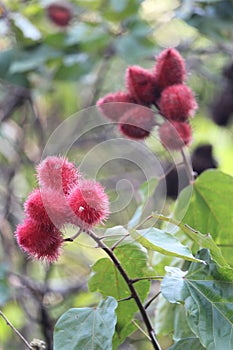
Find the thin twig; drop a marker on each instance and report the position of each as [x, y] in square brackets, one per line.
[140, 329]
[72, 238]
[125, 299]
[133, 291]
[151, 300]
[118, 242]
[114, 235]
[188, 166]
[15, 330]
[144, 221]
[149, 278]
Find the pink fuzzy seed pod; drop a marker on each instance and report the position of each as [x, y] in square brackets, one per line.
[48, 206]
[137, 123]
[89, 203]
[35, 209]
[170, 68]
[115, 111]
[141, 84]
[57, 173]
[40, 242]
[175, 135]
[177, 103]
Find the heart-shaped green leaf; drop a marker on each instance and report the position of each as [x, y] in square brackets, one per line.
[86, 328]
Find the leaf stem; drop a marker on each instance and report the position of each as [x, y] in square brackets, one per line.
[147, 278]
[144, 221]
[125, 299]
[114, 235]
[15, 330]
[188, 166]
[119, 241]
[133, 291]
[140, 329]
[72, 238]
[151, 300]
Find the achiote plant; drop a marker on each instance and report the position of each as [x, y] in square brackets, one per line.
[200, 286]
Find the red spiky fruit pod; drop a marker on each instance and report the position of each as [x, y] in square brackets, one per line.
[175, 135]
[141, 84]
[40, 242]
[170, 68]
[137, 123]
[48, 206]
[57, 173]
[89, 203]
[177, 103]
[115, 111]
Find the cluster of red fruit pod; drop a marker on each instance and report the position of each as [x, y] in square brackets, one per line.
[164, 87]
[64, 196]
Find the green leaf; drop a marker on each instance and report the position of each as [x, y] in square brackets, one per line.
[93, 5]
[107, 280]
[191, 343]
[122, 10]
[132, 49]
[57, 40]
[164, 317]
[90, 37]
[215, 21]
[181, 327]
[205, 241]
[210, 206]
[182, 333]
[162, 242]
[17, 79]
[77, 34]
[86, 328]
[26, 27]
[73, 67]
[121, 334]
[208, 299]
[118, 5]
[6, 59]
[139, 28]
[31, 59]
